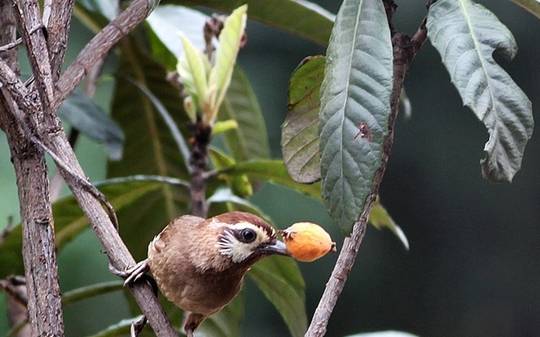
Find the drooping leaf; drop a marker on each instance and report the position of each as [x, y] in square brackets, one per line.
[384, 334]
[90, 119]
[466, 35]
[532, 6]
[300, 131]
[226, 53]
[224, 126]
[69, 221]
[379, 218]
[227, 322]
[281, 282]
[355, 105]
[168, 22]
[303, 18]
[149, 147]
[273, 171]
[249, 140]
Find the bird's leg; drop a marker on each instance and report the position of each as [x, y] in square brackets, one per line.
[131, 274]
[137, 326]
[193, 320]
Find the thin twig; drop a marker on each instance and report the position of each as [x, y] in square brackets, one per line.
[98, 48]
[405, 49]
[11, 45]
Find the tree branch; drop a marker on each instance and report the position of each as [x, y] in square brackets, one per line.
[44, 302]
[98, 48]
[58, 26]
[405, 49]
[199, 164]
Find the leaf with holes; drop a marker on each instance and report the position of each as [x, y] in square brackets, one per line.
[249, 140]
[300, 131]
[355, 105]
[466, 35]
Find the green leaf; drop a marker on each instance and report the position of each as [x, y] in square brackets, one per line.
[90, 119]
[97, 289]
[273, 171]
[533, 6]
[384, 334]
[303, 18]
[226, 195]
[224, 126]
[192, 71]
[280, 280]
[149, 147]
[300, 131]
[225, 323]
[169, 21]
[240, 184]
[379, 218]
[355, 105]
[226, 53]
[69, 221]
[249, 140]
[466, 34]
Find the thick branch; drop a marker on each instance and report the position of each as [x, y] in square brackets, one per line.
[58, 25]
[98, 48]
[405, 49]
[44, 303]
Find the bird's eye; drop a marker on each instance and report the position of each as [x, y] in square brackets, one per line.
[248, 235]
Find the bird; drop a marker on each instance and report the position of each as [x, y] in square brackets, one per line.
[199, 264]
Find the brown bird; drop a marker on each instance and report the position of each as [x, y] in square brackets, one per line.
[199, 264]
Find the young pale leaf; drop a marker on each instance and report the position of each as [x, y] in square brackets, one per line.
[249, 140]
[532, 6]
[118, 329]
[300, 131]
[240, 184]
[90, 119]
[405, 104]
[466, 34]
[192, 71]
[355, 105]
[379, 218]
[384, 334]
[281, 282]
[224, 126]
[226, 53]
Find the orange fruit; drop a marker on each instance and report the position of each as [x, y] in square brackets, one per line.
[307, 241]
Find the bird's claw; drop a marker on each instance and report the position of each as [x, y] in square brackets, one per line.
[131, 274]
[137, 326]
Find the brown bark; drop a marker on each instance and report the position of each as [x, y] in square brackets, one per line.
[44, 304]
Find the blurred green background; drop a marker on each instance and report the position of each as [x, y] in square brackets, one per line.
[474, 265]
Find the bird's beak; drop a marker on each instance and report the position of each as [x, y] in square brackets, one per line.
[277, 247]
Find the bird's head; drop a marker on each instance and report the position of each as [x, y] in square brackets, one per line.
[245, 238]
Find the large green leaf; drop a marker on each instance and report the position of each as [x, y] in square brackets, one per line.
[384, 334]
[273, 171]
[280, 280]
[90, 119]
[355, 105]
[225, 323]
[300, 131]
[69, 221]
[149, 146]
[532, 6]
[302, 18]
[249, 140]
[466, 34]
